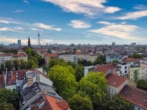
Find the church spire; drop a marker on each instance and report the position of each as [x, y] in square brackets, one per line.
[29, 42]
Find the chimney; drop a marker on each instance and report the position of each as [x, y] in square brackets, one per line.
[29, 80]
[44, 90]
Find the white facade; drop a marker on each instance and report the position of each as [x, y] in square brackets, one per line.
[87, 69]
[4, 57]
[69, 57]
[123, 69]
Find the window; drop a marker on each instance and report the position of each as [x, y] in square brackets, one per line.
[125, 67]
[138, 108]
[125, 71]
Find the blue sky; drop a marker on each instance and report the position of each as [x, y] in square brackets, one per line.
[74, 21]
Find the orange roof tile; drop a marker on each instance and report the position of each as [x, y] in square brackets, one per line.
[57, 104]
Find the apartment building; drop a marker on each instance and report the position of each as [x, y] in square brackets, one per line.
[21, 56]
[71, 57]
[5, 57]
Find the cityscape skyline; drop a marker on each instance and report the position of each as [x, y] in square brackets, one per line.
[74, 21]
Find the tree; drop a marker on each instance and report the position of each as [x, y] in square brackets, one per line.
[80, 102]
[100, 59]
[8, 96]
[84, 62]
[135, 55]
[142, 84]
[94, 85]
[115, 61]
[23, 64]
[16, 64]
[63, 80]
[79, 72]
[9, 65]
[117, 103]
[6, 106]
[55, 61]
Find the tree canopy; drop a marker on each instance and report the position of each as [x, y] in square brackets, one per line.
[135, 55]
[142, 84]
[79, 72]
[117, 103]
[101, 59]
[80, 101]
[94, 85]
[8, 97]
[63, 80]
[84, 62]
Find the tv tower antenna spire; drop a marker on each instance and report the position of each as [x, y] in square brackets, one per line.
[38, 37]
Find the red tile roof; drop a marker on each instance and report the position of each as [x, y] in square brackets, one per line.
[137, 60]
[11, 76]
[20, 55]
[57, 104]
[115, 80]
[135, 96]
[103, 68]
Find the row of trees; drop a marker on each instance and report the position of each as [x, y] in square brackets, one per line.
[17, 65]
[101, 59]
[83, 92]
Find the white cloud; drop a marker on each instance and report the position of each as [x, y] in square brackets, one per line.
[11, 29]
[47, 27]
[6, 21]
[123, 31]
[140, 7]
[133, 15]
[18, 11]
[6, 29]
[18, 28]
[34, 29]
[79, 24]
[111, 9]
[105, 22]
[26, 1]
[8, 40]
[87, 7]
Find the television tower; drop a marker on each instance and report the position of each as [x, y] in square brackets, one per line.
[38, 38]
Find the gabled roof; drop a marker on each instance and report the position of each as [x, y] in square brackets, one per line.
[103, 68]
[135, 96]
[137, 60]
[115, 80]
[57, 104]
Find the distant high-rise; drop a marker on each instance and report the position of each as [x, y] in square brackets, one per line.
[113, 43]
[19, 43]
[38, 38]
[29, 42]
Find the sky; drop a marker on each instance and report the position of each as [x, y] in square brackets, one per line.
[73, 21]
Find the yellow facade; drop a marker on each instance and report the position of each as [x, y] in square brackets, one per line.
[134, 73]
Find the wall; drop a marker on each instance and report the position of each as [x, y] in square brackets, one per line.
[11, 87]
[45, 80]
[111, 91]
